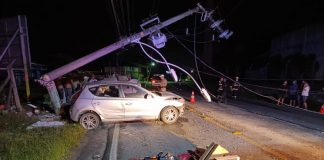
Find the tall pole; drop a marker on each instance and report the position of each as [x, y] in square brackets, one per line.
[106, 50]
[23, 52]
[48, 78]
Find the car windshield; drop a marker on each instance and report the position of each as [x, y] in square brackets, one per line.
[133, 92]
[156, 77]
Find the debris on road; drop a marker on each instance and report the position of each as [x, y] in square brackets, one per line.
[47, 120]
[32, 106]
[49, 117]
[213, 151]
[29, 114]
[46, 124]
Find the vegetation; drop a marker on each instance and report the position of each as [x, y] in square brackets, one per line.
[40, 143]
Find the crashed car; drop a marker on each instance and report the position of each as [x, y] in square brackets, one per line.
[123, 101]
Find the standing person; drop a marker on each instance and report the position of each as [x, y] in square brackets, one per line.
[68, 90]
[299, 91]
[220, 90]
[235, 87]
[85, 80]
[60, 89]
[76, 84]
[93, 78]
[224, 90]
[164, 83]
[305, 93]
[283, 93]
[293, 91]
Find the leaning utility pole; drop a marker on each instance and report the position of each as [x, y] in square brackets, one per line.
[48, 78]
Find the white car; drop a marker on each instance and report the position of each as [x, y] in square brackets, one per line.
[123, 101]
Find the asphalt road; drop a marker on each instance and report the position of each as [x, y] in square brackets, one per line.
[251, 130]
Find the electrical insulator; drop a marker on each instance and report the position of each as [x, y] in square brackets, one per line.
[158, 39]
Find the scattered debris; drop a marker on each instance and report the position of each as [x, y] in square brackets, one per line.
[96, 156]
[46, 124]
[29, 114]
[237, 132]
[213, 151]
[49, 117]
[36, 111]
[31, 105]
[47, 120]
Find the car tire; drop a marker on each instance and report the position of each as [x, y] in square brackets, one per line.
[89, 120]
[169, 115]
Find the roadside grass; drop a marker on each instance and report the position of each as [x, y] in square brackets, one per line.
[53, 143]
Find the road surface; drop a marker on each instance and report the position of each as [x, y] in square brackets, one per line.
[252, 131]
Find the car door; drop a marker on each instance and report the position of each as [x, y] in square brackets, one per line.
[108, 102]
[136, 105]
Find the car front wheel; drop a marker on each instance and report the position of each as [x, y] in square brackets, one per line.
[169, 115]
[90, 120]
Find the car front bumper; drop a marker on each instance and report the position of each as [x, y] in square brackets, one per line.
[181, 110]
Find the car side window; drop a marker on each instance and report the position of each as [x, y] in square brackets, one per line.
[105, 91]
[93, 90]
[133, 92]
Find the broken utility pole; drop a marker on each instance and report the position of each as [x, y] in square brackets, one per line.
[48, 78]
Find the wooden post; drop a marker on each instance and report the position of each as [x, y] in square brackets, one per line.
[9, 98]
[14, 88]
[4, 83]
[25, 61]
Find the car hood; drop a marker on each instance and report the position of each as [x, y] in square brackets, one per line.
[166, 95]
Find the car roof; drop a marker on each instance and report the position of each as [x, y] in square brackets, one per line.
[105, 82]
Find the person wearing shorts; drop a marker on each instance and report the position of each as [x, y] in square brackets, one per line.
[292, 91]
[305, 93]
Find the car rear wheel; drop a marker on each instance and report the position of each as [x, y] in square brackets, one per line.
[90, 120]
[169, 115]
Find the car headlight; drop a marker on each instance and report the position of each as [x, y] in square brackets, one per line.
[179, 99]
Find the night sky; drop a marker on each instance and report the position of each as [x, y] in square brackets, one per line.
[61, 31]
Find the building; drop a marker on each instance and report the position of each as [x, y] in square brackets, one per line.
[304, 42]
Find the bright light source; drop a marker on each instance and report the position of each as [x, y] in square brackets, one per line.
[152, 64]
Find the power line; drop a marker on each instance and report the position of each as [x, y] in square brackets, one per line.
[194, 48]
[116, 17]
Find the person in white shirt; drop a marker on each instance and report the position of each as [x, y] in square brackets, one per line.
[164, 83]
[305, 93]
[93, 78]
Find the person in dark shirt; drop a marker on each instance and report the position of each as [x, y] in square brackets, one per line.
[220, 89]
[292, 92]
[224, 90]
[282, 93]
[235, 87]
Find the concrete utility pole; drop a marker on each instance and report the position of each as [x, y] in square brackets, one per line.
[48, 78]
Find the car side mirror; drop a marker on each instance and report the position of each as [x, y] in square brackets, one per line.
[158, 93]
[148, 96]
